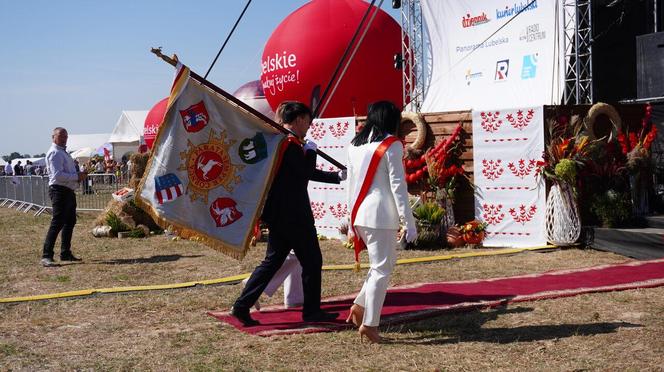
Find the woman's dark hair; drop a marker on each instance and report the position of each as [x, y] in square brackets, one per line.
[288, 111]
[383, 118]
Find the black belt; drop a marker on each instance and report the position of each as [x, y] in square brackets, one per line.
[60, 188]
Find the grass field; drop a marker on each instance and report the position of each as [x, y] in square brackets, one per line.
[169, 329]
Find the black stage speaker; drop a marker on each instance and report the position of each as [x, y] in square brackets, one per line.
[650, 65]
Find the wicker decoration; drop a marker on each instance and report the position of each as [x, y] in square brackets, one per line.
[418, 145]
[602, 109]
[563, 225]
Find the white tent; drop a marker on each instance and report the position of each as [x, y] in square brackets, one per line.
[127, 133]
[2, 162]
[84, 154]
[80, 141]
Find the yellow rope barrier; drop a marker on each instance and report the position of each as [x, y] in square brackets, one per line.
[236, 278]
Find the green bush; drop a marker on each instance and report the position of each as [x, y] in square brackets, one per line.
[115, 223]
[611, 208]
[430, 212]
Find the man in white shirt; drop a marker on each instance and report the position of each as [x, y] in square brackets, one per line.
[63, 180]
[8, 169]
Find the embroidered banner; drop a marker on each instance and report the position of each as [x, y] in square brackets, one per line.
[210, 169]
[510, 197]
[328, 200]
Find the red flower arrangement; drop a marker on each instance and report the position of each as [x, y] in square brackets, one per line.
[636, 147]
[441, 163]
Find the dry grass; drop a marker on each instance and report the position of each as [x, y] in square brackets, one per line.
[169, 330]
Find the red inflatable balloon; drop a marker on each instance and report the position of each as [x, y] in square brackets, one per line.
[304, 50]
[153, 121]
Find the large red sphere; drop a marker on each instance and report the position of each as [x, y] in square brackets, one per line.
[153, 121]
[304, 50]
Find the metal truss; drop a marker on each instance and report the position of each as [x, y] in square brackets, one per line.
[578, 52]
[413, 54]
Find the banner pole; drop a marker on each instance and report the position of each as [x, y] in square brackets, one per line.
[242, 105]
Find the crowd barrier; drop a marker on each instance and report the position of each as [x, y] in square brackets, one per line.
[30, 193]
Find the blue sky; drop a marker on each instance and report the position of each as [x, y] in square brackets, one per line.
[78, 64]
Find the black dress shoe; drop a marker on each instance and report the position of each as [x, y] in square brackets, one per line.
[69, 257]
[320, 316]
[243, 316]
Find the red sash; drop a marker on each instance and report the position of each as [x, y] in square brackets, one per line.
[368, 179]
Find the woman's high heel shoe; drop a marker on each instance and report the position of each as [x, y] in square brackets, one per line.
[371, 333]
[356, 315]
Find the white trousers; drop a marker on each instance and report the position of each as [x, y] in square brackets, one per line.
[290, 274]
[382, 248]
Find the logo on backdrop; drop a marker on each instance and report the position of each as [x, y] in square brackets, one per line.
[513, 10]
[529, 69]
[194, 117]
[472, 21]
[486, 44]
[282, 69]
[502, 69]
[470, 76]
[532, 33]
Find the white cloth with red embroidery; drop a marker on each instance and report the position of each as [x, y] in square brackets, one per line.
[328, 201]
[510, 196]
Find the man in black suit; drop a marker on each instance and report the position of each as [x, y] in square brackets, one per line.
[288, 214]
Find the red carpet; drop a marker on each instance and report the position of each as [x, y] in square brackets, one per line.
[425, 300]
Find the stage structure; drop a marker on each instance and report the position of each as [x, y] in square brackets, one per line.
[578, 52]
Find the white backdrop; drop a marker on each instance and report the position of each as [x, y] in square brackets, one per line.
[518, 65]
[329, 201]
[510, 197]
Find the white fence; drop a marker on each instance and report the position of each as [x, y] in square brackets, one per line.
[30, 193]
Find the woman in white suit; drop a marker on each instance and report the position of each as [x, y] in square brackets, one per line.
[378, 199]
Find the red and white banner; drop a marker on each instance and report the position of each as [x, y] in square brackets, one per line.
[328, 200]
[510, 196]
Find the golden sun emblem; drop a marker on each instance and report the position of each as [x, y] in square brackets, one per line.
[208, 165]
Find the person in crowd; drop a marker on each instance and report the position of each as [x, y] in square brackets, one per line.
[99, 166]
[39, 170]
[62, 181]
[18, 169]
[287, 213]
[376, 210]
[29, 168]
[290, 273]
[8, 169]
[77, 166]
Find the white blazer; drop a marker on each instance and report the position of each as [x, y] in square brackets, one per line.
[387, 199]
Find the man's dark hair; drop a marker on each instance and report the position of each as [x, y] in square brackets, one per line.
[291, 110]
[383, 118]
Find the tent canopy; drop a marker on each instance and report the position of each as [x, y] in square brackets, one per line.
[79, 141]
[34, 161]
[127, 133]
[129, 127]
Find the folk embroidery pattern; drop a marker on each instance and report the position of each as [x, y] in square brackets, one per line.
[522, 170]
[493, 214]
[491, 121]
[492, 169]
[524, 214]
[520, 121]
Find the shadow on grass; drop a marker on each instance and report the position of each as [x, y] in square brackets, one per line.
[455, 328]
[142, 260]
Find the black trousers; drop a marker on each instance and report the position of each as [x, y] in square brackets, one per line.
[280, 242]
[63, 200]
